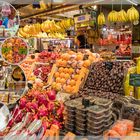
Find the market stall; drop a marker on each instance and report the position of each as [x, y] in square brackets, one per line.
[69, 72]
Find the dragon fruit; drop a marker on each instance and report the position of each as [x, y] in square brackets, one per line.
[43, 111]
[28, 107]
[22, 103]
[34, 106]
[52, 95]
[42, 99]
[50, 106]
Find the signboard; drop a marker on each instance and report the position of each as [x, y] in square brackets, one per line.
[109, 65]
[82, 18]
[134, 80]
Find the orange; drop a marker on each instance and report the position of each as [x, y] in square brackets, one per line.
[67, 76]
[86, 63]
[53, 84]
[69, 88]
[62, 75]
[58, 80]
[61, 69]
[58, 86]
[66, 70]
[58, 62]
[72, 82]
[56, 74]
[79, 57]
[62, 81]
[76, 77]
[71, 70]
[64, 63]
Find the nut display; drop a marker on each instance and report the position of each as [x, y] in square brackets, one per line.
[106, 79]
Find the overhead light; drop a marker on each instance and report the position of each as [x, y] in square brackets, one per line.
[95, 7]
[133, 2]
[97, 1]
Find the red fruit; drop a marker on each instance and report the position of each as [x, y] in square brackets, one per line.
[50, 106]
[36, 94]
[42, 99]
[34, 106]
[52, 95]
[28, 106]
[42, 111]
[22, 103]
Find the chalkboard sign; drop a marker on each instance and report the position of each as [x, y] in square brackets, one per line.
[134, 80]
[109, 65]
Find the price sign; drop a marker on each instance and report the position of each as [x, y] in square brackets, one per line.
[134, 80]
[109, 65]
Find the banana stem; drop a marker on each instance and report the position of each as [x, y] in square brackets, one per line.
[121, 4]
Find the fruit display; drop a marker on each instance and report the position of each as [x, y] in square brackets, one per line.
[14, 50]
[101, 19]
[113, 16]
[133, 14]
[37, 111]
[70, 71]
[52, 28]
[42, 71]
[106, 78]
[47, 57]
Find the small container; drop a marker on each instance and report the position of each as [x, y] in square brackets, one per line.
[103, 102]
[94, 118]
[79, 133]
[94, 129]
[80, 120]
[81, 109]
[80, 125]
[108, 115]
[80, 116]
[71, 105]
[81, 129]
[70, 127]
[96, 124]
[97, 133]
[109, 119]
[96, 111]
[107, 125]
[70, 121]
[69, 116]
[70, 112]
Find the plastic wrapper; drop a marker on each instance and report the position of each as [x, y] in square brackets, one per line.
[123, 127]
[138, 66]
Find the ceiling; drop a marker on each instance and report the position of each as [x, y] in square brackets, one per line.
[60, 9]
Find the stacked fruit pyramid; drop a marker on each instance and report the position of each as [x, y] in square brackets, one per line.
[69, 72]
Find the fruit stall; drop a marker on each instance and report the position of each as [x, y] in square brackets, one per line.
[68, 72]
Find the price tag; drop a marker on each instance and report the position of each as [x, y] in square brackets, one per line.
[109, 65]
[134, 80]
[86, 57]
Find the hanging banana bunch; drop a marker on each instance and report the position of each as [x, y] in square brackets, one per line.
[133, 14]
[122, 16]
[101, 19]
